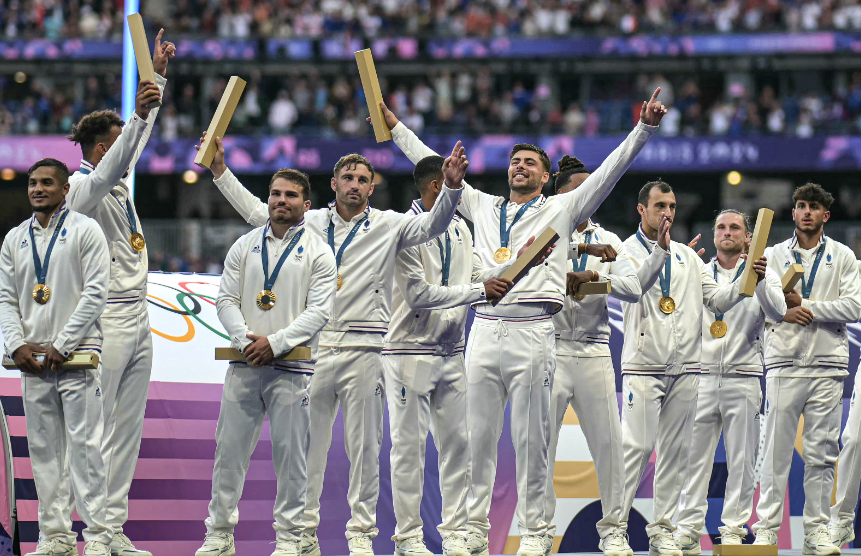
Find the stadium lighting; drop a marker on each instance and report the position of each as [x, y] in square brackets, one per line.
[733, 178]
[189, 176]
[7, 174]
[130, 78]
[20, 77]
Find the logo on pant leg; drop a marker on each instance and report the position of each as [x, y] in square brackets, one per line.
[378, 391]
[403, 395]
[547, 381]
[756, 416]
[305, 401]
[630, 400]
[767, 408]
[98, 392]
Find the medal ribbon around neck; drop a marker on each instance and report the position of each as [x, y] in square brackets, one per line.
[504, 233]
[444, 254]
[581, 265]
[42, 269]
[807, 287]
[136, 239]
[269, 281]
[340, 252]
[737, 274]
[666, 275]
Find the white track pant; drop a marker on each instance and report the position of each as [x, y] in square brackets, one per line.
[516, 360]
[589, 385]
[849, 465]
[427, 392]
[64, 436]
[787, 399]
[353, 379]
[731, 403]
[657, 414]
[250, 394]
[126, 368]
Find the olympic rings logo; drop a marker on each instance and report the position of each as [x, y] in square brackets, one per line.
[184, 296]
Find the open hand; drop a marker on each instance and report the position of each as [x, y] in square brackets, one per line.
[163, 51]
[24, 359]
[653, 110]
[693, 245]
[258, 352]
[454, 167]
[218, 166]
[664, 233]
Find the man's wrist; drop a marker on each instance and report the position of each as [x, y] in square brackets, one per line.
[581, 248]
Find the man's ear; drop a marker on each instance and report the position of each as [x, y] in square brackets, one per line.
[826, 216]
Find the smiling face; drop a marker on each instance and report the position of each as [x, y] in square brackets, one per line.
[526, 173]
[287, 205]
[730, 235]
[353, 185]
[45, 190]
[657, 205]
[809, 216]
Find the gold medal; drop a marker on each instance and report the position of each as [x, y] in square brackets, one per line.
[41, 294]
[266, 299]
[340, 281]
[718, 329]
[667, 305]
[503, 254]
[137, 241]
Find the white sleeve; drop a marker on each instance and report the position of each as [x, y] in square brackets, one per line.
[250, 208]
[624, 282]
[416, 229]
[96, 273]
[86, 192]
[649, 268]
[582, 202]
[847, 307]
[480, 274]
[229, 300]
[769, 293]
[11, 324]
[318, 307]
[421, 294]
[717, 299]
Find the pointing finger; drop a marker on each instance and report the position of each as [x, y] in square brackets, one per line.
[655, 95]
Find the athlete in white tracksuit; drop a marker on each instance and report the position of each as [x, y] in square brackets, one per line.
[63, 408]
[349, 368]
[729, 396]
[842, 526]
[511, 352]
[585, 379]
[99, 190]
[661, 358]
[806, 358]
[304, 291]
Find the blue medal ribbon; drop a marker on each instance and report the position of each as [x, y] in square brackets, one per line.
[807, 287]
[581, 265]
[737, 274]
[128, 208]
[666, 274]
[340, 252]
[269, 281]
[503, 220]
[42, 269]
[444, 254]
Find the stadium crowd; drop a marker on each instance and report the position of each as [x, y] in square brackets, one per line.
[438, 18]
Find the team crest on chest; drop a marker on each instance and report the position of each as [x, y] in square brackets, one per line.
[367, 227]
[299, 251]
[679, 258]
[256, 249]
[828, 261]
[24, 244]
[63, 236]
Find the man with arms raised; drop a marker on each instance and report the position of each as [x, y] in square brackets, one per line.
[110, 148]
[511, 352]
[276, 294]
[729, 394]
[661, 356]
[806, 359]
[365, 242]
[54, 273]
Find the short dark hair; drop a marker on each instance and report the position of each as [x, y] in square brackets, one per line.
[60, 169]
[545, 160]
[661, 185]
[351, 160]
[427, 169]
[94, 128]
[568, 166]
[744, 217]
[295, 176]
[813, 192]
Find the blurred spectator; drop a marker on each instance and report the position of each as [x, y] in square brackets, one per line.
[282, 113]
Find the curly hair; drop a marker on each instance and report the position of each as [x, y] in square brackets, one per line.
[568, 166]
[815, 193]
[350, 161]
[93, 129]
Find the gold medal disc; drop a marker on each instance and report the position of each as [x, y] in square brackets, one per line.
[667, 305]
[266, 299]
[340, 281]
[41, 294]
[137, 242]
[718, 329]
[502, 255]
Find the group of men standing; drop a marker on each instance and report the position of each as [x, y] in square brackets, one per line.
[355, 307]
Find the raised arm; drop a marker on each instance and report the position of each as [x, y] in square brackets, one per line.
[318, 307]
[162, 52]
[847, 307]
[11, 324]
[96, 271]
[228, 303]
[250, 208]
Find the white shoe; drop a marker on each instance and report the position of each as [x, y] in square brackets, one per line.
[730, 538]
[309, 545]
[55, 547]
[96, 548]
[687, 544]
[819, 543]
[455, 545]
[766, 536]
[616, 544]
[547, 542]
[217, 544]
[664, 544]
[413, 546]
[477, 544]
[531, 545]
[361, 546]
[122, 546]
[286, 548]
[840, 534]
